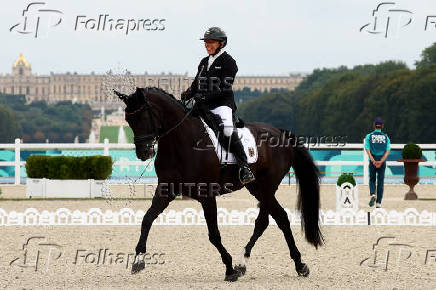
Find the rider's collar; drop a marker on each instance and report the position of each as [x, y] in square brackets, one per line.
[214, 56]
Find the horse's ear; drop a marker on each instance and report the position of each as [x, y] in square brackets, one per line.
[122, 96]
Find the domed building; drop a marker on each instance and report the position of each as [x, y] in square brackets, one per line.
[23, 81]
[88, 88]
[21, 67]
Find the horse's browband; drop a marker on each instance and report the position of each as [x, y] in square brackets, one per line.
[137, 110]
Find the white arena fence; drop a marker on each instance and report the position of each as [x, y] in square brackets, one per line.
[193, 217]
[106, 147]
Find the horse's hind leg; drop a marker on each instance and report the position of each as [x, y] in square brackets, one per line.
[281, 218]
[262, 222]
[260, 226]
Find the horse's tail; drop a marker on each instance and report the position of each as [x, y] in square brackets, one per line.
[308, 178]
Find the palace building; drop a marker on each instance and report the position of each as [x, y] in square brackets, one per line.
[88, 88]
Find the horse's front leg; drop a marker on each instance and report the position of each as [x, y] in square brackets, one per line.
[210, 214]
[158, 205]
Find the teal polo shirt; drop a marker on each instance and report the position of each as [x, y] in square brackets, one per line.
[377, 142]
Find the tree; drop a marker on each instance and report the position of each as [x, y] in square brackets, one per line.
[39, 137]
[9, 127]
[68, 137]
[344, 102]
[428, 57]
[26, 138]
[275, 108]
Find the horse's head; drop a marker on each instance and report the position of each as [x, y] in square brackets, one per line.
[144, 121]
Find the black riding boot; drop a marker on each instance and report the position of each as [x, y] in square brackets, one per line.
[236, 147]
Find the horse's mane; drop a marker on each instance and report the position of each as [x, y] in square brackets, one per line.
[165, 93]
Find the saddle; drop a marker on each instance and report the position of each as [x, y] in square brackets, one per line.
[212, 122]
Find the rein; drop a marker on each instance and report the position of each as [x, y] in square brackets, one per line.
[178, 124]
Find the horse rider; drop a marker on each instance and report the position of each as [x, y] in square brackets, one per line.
[212, 90]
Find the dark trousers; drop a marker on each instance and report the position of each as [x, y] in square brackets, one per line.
[380, 172]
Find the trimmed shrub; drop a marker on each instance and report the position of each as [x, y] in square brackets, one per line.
[411, 151]
[36, 166]
[68, 167]
[346, 177]
[100, 167]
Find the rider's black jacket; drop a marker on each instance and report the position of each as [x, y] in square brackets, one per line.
[216, 83]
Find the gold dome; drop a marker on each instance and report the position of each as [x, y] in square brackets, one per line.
[21, 61]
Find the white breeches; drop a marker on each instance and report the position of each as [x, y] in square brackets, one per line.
[227, 117]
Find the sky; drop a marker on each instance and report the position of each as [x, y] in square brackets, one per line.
[264, 37]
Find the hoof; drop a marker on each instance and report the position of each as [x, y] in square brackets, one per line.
[234, 276]
[303, 270]
[138, 265]
[241, 269]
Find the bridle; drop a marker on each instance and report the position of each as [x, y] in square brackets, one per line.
[150, 140]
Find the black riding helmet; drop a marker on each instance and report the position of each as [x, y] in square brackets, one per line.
[218, 34]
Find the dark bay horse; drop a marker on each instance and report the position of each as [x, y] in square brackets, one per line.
[181, 161]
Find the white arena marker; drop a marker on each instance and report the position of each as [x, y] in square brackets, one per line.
[194, 217]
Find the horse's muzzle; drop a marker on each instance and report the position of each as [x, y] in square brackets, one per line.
[144, 152]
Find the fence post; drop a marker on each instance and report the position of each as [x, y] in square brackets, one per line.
[106, 147]
[365, 166]
[17, 161]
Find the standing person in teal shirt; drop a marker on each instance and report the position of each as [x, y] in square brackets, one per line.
[378, 147]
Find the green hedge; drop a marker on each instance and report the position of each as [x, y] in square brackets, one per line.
[411, 151]
[68, 167]
[346, 177]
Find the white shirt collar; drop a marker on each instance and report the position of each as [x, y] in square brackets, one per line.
[213, 57]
